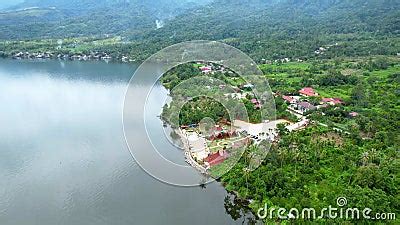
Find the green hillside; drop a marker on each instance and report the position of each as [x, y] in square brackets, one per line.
[266, 30]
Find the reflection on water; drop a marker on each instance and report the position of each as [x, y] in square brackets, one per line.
[63, 159]
[239, 211]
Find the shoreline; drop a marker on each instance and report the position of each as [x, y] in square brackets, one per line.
[188, 156]
[244, 202]
[71, 59]
[93, 56]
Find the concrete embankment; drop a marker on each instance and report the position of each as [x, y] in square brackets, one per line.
[188, 155]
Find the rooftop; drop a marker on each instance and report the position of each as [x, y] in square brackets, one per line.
[287, 98]
[308, 91]
[333, 101]
[306, 105]
[217, 158]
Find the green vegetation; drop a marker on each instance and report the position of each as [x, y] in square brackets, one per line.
[198, 108]
[192, 110]
[354, 157]
[35, 19]
[267, 31]
[342, 48]
[315, 166]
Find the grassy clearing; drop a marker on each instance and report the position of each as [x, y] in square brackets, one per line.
[286, 66]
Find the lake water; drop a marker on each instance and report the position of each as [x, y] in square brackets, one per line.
[63, 157]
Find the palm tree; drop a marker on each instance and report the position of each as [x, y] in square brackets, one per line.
[282, 155]
[246, 175]
[365, 158]
[296, 155]
[374, 155]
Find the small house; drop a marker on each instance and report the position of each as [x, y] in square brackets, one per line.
[332, 101]
[206, 69]
[217, 158]
[308, 92]
[289, 99]
[304, 107]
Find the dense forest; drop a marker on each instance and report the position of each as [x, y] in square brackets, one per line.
[266, 30]
[337, 155]
[34, 19]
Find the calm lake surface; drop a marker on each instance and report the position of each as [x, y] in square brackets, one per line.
[63, 157]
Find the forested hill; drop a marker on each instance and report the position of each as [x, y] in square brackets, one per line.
[77, 7]
[265, 29]
[291, 28]
[292, 17]
[283, 18]
[217, 20]
[34, 19]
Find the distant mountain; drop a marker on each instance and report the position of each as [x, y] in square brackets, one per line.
[289, 28]
[79, 7]
[4, 4]
[224, 19]
[265, 28]
[65, 18]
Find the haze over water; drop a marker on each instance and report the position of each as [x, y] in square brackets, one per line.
[63, 157]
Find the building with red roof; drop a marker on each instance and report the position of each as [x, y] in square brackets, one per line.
[332, 101]
[308, 92]
[254, 101]
[287, 98]
[353, 114]
[257, 104]
[206, 69]
[290, 99]
[217, 158]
